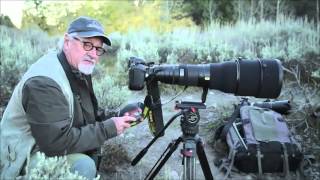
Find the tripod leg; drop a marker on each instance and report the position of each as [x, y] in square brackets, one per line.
[189, 168]
[189, 160]
[156, 168]
[203, 160]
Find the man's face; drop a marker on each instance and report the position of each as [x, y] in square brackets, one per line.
[78, 53]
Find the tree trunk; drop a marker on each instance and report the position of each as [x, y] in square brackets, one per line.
[251, 11]
[210, 9]
[318, 19]
[261, 10]
[278, 11]
[239, 10]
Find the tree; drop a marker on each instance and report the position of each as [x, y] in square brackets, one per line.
[35, 15]
[318, 19]
[261, 9]
[6, 21]
[306, 8]
[203, 12]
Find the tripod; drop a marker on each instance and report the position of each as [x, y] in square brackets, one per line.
[192, 143]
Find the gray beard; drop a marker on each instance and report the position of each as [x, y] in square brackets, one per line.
[86, 69]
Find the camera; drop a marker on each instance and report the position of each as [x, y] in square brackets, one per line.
[258, 78]
[261, 78]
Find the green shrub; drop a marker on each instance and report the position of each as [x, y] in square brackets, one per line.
[288, 39]
[110, 94]
[18, 50]
[53, 168]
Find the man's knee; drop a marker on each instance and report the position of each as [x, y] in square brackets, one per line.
[83, 164]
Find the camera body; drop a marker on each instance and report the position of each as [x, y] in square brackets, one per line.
[137, 73]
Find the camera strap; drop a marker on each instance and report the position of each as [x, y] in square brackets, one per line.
[149, 105]
[238, 74]
[231, 120]
[261, 77]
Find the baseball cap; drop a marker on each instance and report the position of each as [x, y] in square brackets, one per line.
[87, 27]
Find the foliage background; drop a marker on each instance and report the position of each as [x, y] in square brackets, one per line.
[179, 31]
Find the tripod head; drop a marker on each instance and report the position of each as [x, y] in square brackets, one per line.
[189, 124]
[192, 144]
[190, 117]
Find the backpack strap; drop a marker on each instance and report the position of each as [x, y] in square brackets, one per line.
[259, 156]
[239, 136]
[233, 154]
[285, 161]
[231, 120]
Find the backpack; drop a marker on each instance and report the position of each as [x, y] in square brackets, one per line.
[258, 141]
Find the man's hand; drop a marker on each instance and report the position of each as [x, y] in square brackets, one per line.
[123, 122]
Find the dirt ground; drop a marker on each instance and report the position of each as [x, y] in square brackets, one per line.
[121, 150]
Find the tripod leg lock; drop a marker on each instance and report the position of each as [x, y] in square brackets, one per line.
[187, 152]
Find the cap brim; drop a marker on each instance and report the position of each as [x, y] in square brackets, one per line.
[105, 39]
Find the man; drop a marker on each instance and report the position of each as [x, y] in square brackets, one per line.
[53, 108]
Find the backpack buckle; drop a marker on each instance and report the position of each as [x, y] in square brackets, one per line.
[11, 155]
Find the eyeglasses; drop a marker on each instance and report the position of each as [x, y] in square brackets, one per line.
[88, 46]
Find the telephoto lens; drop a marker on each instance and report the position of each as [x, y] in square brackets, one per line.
[259, 78]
